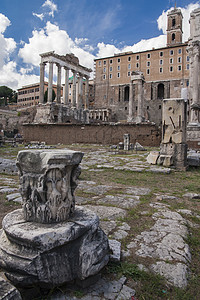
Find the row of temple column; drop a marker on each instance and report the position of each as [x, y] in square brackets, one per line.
[76, 101]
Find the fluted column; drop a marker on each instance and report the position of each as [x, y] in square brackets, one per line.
[59, 84]
[130, 108]
[42, 71]
[50, 83]
[74, 88]
[66, 99]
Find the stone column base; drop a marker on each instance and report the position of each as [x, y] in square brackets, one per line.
[52, 254]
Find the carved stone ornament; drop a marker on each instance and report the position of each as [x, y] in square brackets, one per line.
[48, 180]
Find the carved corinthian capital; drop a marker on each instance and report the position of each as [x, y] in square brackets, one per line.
[48, 180]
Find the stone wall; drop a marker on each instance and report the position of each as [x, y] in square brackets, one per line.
[146, 134]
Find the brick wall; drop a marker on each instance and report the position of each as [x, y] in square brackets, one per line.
[145, 134]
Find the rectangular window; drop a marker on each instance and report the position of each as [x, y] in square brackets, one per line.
[111, 61]
[171, 69]
[118, 75]
[179, 51]
[148, 63]
[187, 83]
[148, 71]
[161, 61]
[188, 58]
[110, 76]
[161, 53]
[161, 70]
[148, 55]
[179, 68]
[118, 60]
[104, 76]
[129, 73]
[110, 69]
[171, 60]
[187, 66]
[118, 68]
[100, 63]
[171, 52]
[129, 66]
[104, 62]
[137, 65]
[104, 69]
[129, 58]
[137, 57]
[179, 59]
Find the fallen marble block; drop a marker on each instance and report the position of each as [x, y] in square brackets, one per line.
[52, 254]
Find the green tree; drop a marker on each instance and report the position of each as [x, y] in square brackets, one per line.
[46, 95]
[7, 94]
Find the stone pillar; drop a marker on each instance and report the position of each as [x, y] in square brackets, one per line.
[126, 141]
[80, 91]
[87, 92]
[130, 108]
[50, 83]
[59, 84]
[74, 89]
[42, 71]
[140, 113]
[66, 99]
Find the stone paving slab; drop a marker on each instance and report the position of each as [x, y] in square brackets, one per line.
[104, 212]
[122, 201]
[102, 290]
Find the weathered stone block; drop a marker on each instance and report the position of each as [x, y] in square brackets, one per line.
[153, 157]
[8, 291]
[50, 255]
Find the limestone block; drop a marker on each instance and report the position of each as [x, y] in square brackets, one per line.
[52, 254]
[8, 291]
[168, 160]
[153, 157]
[48, 179]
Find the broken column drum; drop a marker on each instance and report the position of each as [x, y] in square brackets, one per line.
[50, 242]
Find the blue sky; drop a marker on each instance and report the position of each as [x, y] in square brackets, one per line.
[88, 28]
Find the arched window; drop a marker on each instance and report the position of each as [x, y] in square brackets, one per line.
[126, 93]
[173, 22]
[173, 36]
[161, 90]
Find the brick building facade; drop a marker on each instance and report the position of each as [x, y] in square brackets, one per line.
[166, 72]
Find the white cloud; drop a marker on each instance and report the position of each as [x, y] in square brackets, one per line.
[8, 45]
[4, 23]
[105, 50]
[40, 16]
[10, 77]
[53, 38]
[52, 6]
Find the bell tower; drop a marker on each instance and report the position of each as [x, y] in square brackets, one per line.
[174, 27]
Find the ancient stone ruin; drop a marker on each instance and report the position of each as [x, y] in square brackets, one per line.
[173, 148]
[58, 112]
[49, 241]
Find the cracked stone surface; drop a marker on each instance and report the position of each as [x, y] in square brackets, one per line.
[165, 241]
[102, 290]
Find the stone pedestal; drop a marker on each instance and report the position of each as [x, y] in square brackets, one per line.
[51, 255]
[48, 242]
